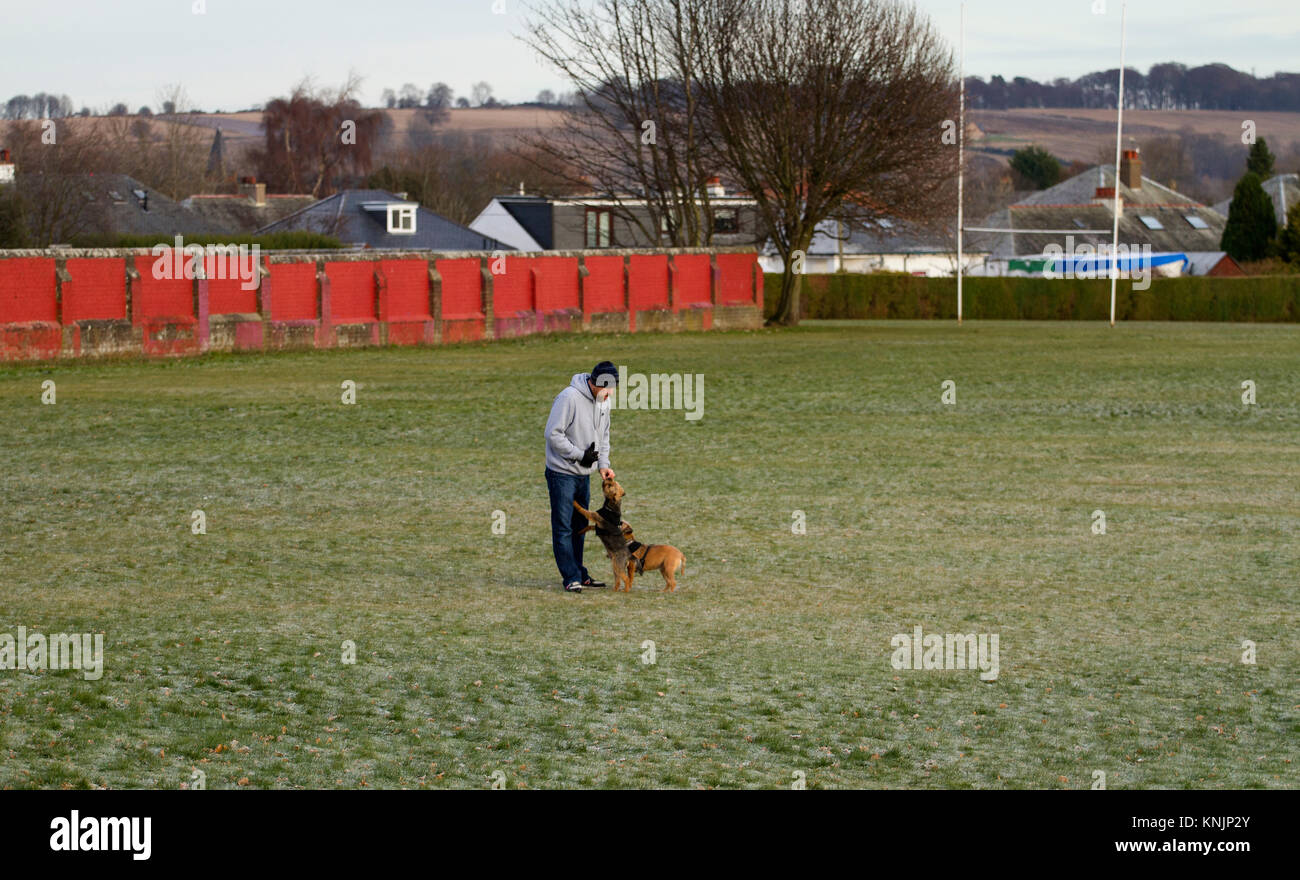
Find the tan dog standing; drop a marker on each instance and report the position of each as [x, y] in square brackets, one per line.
[664, 558]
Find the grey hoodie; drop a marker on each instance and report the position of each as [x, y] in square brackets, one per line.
[576, 421]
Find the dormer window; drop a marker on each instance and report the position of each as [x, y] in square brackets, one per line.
[726, 221]
[401, 219]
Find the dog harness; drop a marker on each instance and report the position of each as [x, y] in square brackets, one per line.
[638, 551]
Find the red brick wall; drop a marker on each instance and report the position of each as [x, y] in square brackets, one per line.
[160, 297]
[352, 291]
[557, 283]
[647, 282]
[512, 290]
[534, 294]
[27, 291]
[462, 288]
[693, 280]
[226, 295]
[95, 291]
[604, 284]
[735, 278]
[293, 291]
[407, 298]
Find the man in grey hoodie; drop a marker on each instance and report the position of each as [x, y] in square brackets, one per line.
[577, 442]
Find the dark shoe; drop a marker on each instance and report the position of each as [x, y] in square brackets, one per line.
[574, 587]
[590, 583]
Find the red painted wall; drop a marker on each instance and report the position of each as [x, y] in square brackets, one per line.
[512, 291]
[407, 298]
[293, 291]
[160, 297]
[352, 292]
[557, 283]
[226, 296]
[604, 290]
[27, 291]
[95, 291]
[735, 279]
[692, 278]
[462, 289]
[647, 283]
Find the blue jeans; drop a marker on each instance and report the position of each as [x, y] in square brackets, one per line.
[566, 522]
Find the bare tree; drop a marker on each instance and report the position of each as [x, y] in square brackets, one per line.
[481, 93]
[833, 109]
[316, 138]
[56, 201]
[439, 97]
[635, 129]
[408, 97]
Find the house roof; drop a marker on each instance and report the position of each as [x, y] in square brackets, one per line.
[1203, 262]
[1283, 189]
[238, 214]
[1153, 215]
[117, 204]
[345, 216]
[524, 222]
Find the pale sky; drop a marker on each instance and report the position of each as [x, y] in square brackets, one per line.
[239, 52]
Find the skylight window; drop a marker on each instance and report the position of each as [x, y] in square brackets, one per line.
[887, 224]
[1079, 224]
[1151, 222]
[1196, 222]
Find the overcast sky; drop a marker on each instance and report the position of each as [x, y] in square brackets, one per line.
[241, 52]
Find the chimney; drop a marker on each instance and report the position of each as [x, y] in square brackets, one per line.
[1130, 170]
[716, 189]
[6, 168]
[255, 192]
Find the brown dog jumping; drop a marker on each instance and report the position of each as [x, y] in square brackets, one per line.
[606, 522]
[664, 558]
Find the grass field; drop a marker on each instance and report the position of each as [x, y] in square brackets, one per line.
[372, 523]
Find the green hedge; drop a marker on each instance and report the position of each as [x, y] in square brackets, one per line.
[1273, 298]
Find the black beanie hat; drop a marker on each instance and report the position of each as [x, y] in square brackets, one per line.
[604, 368]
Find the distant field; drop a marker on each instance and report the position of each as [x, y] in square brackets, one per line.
[372, 524]
[1079, 134]
[503, 125]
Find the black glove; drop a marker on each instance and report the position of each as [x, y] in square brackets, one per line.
[589, 457]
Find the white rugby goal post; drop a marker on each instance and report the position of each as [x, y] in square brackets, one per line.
[961, 166]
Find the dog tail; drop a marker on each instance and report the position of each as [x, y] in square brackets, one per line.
[683, 563]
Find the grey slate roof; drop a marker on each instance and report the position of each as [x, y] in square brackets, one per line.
[343, 216]
[116, 204]
[1071, 204]
[237, 214]
[1283, 189]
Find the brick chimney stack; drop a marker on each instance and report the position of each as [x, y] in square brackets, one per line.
[1130, 169]
[255, 192]
[6, 168]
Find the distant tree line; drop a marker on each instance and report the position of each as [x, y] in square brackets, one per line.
[37, 106]
[1167, 86]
